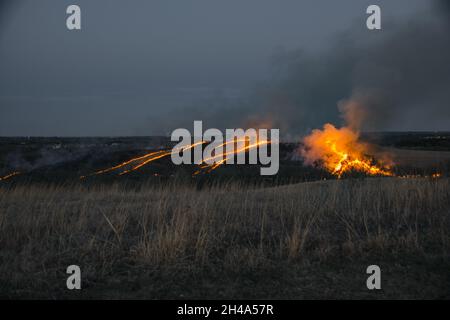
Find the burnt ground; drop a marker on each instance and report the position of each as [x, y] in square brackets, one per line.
[66, 159]
[161, 233]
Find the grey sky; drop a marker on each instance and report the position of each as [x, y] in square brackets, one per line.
[136, 62]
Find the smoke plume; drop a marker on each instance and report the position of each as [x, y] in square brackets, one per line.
[396, 78]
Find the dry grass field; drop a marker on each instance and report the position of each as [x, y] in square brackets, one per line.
[419, 158]
[302, 241]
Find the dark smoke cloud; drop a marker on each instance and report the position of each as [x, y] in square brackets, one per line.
[6, 7]
[443, 6]
[399, 76]
[403, 82]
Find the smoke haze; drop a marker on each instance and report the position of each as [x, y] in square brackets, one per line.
[397, 80]
[147, 68]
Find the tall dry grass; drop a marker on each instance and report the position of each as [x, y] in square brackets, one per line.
[119, 236]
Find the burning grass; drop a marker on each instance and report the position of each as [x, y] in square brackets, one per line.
[207, 166]
[309, 240]
[10, 175]
[339, 151]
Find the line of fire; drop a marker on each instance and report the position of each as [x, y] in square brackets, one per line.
[338, 151]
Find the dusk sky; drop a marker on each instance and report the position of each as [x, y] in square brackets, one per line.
[146, 67]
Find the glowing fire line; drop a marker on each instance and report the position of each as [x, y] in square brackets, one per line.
[141, 161]
[8, 176]
[227, 155]
[123, 164]
[146, 159]
[345, 165]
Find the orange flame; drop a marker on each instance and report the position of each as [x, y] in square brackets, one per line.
[339, 151]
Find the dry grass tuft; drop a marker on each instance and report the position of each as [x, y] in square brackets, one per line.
[164, 241]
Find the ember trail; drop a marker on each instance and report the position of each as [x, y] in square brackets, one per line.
[207, 165]
[9, 176]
